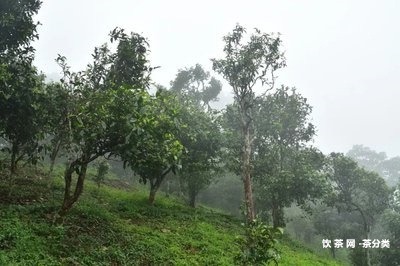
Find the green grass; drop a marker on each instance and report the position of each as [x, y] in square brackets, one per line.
[295, 254]
[110, 226]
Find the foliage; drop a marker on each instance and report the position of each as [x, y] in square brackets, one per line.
[200, 130]
[195, 84]
[159, 150]
[102, 170]
[259, 245]
[20, 82]
[356, 189]
[56, 104]
[360, 191]
[202, 141]
[113, 226]
[20, 117]
[331, 224]
[109, 115]
[391, 222]
[388, 168]
[232, 139]
[243, 66]
[286, 168]
[17, 27]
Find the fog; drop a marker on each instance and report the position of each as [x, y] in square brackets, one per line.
[342, 55]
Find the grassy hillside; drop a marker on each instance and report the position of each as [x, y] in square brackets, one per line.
[110, 226]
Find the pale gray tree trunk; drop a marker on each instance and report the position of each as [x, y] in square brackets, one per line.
[248, 190]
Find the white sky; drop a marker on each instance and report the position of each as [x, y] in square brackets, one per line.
[344, 56]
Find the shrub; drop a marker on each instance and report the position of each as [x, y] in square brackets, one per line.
[258, 245]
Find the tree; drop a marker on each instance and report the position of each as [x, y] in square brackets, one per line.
[19, 81]
[202, 141]
[195, 84]
[55, 105]
[391, 222]
[19, 113]
[331, 224]
[286, 168]
[357, 190]
[388, 168]
[102, 167]
[159, 150]
[259, 245]
[110, 99]
[244, 65]
[17, 27]
[200, 134]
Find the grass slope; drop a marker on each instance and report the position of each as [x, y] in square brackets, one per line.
[110, 226]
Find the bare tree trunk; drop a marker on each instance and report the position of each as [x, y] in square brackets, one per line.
[152, 195]
[14, 153]
[248, 191]
[277, 215]
[367, 249]
[181, 187]
[333, 251]
[155, 185]
[366, 231]
[53, 157]
[69, 199]
[192, 198]
[168, 189]
[13, 167]
[67, 190]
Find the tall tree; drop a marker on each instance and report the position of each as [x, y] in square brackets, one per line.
[358, 190]
[244, 65]
[287, 168]
[202, 141]
[196, 89]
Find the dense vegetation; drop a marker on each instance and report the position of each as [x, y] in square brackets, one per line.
[111, 124]
[114, 226]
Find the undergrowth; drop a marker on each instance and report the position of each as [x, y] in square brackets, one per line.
[111, 226]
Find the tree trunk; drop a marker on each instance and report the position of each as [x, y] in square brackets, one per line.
[333, 251]
[366, 231]
[168, 189]
[277, 216]
[69, 199]
[67, 190]
[153, 191]
[192, 199]
[181, 187]
[367, 249]
[248, 191]
[53, 157]
[155, 185]
[14, 153]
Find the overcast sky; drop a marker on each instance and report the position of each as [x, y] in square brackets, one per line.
[344, 56]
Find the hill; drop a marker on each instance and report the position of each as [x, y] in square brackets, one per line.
[111, 226]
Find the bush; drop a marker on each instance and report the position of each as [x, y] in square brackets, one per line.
[258, 245]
